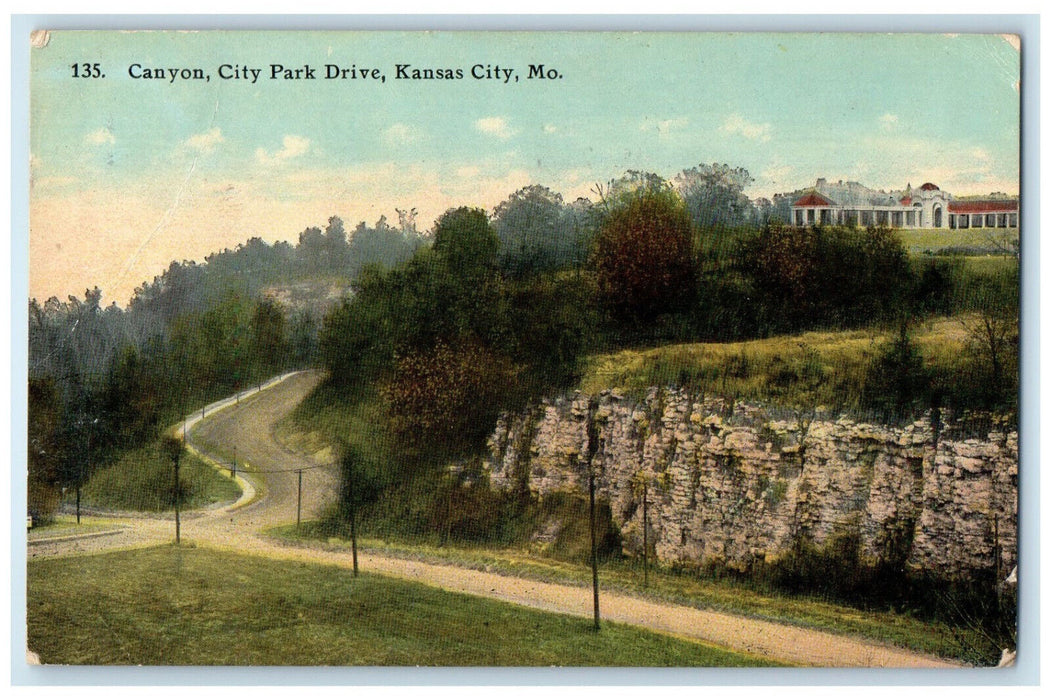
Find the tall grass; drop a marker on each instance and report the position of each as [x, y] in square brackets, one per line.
[810, 369]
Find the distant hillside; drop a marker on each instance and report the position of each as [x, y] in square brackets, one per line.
[314, 296]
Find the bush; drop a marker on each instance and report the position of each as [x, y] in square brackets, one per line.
[445, 401]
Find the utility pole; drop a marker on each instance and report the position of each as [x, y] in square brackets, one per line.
[353, 523]
[177, 499]
[233, 470]
[645, 537]
[349, 469]
[299, 497]
[80, 476]
[173, 447]
[592, 450]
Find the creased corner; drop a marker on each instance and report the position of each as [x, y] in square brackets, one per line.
[39, 38]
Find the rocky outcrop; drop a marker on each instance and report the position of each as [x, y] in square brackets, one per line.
[734, 483]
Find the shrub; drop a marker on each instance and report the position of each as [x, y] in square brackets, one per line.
[445, 401]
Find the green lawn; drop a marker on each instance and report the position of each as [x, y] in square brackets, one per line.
[920, 240]
[174, 606]
[64, 525]
[686, 588]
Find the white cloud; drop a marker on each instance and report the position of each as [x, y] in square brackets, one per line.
[494, 126]
[550, 128]
[397, 134]
[291, 147]
[664, 126]
[100, 136]
[736, 124]
[958, 167]
[205, 142]
[888, 121]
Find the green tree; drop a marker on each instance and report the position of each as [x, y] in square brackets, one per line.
[45, 456]
[553, 322]
[269, 336]
[132, 404]
[897, 382]
[303, 338]
[714, 194]
[993, 342]
[538, 232]
[825, 276]
[464, 239]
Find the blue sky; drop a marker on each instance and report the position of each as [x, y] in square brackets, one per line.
[128, 174]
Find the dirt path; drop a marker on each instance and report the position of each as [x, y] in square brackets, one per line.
[248, 425]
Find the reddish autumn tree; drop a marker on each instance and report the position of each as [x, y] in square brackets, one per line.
[644, 256]
[447, 398]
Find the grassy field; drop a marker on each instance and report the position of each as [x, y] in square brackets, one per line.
[920, 240]
[816, 368]
[175, 606]
[142, 479]
[686, 588]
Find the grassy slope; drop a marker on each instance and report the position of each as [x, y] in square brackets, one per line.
[823, 368]
[141, 480]
[171, 605]
[327, 419]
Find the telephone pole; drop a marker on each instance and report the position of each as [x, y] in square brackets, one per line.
[645, 537]
[177, 499]
[592, 450]
[299, 497]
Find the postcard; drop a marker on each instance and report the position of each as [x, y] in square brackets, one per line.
[523, 349]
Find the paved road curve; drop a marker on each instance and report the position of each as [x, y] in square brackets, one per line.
[248, 425]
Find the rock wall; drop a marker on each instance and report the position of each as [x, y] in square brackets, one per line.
[733, 484]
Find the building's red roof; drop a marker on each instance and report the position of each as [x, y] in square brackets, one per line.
[983, 206]
[812, 199]
[906, 201]
[928, 186]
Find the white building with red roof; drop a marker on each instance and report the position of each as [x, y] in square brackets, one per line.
[853, 204]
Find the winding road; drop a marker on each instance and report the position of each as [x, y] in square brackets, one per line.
[246, 423]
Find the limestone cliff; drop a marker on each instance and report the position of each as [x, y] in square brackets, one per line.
[734, 483]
